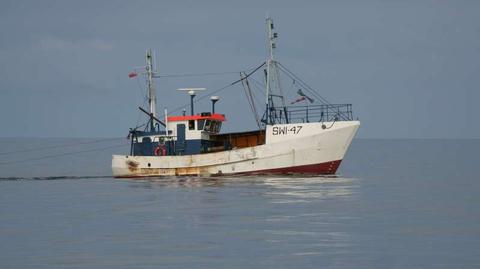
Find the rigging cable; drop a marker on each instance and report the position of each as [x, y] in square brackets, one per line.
[63, 154]
[307, 87]
[57, 146]
[198, 74]
[260, 90]
[145, 99]
[195, 74]
[310, 89]
[220, 89]
[249, 96]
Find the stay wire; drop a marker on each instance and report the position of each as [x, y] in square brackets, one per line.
[307, 87]
[144, 97]
[195, 74]
[198, 74]
[58, 146]
[251, 102]
[63, 154]
[220, 89]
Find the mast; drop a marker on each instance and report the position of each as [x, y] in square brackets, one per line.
[273, 88]
[270, 59]
[152, 99]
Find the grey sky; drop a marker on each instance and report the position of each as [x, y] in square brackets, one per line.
[410, 68]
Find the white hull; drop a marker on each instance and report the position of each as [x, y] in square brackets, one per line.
[307, 148]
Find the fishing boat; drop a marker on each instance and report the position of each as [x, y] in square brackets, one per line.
[306, 136]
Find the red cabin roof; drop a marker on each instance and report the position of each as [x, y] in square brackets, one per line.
[219, 117]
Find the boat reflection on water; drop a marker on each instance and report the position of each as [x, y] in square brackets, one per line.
[305, 189]
[175, 182]
[285, 189]
[301, 217]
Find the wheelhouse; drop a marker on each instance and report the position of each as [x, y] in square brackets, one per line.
[196, 125]
[186, 135]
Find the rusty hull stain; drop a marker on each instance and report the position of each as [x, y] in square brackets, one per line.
[181, 171]
[132, 165]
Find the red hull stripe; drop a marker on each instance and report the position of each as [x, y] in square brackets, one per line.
[219, 117]
[327, 168]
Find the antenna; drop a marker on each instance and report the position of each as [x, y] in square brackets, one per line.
[192, 92]
[214, 99]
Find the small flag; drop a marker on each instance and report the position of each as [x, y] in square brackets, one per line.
[132, 74]
[299, 92]
[298, 100]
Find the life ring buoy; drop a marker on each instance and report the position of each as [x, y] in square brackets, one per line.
[160, 150]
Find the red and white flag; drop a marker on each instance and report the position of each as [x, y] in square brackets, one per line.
[298, 100]
[302, 97]
[132, 74]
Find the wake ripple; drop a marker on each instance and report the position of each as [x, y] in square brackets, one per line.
[52, 178]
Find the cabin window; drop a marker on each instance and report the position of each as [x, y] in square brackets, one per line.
[218, 126]
[207, 125]
[191, 125]
[213, 126]
[200, 124]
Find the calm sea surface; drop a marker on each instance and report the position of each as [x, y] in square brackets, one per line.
[394, 204]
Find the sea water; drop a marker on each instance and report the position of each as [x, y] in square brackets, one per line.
[393, 204]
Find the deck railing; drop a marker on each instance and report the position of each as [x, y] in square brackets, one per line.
[311, 113]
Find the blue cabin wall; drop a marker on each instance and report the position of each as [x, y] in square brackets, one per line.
[187, 147]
